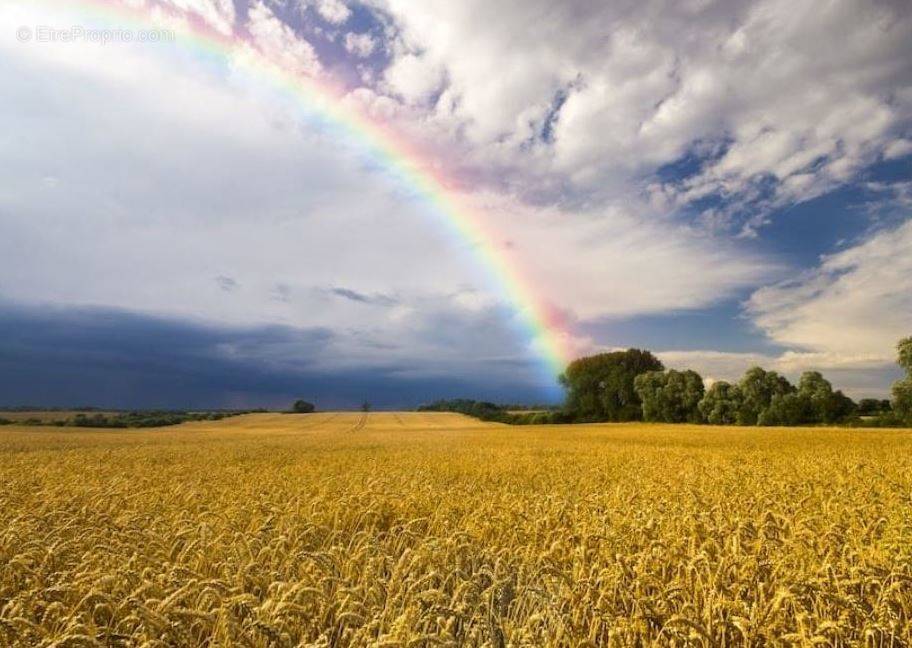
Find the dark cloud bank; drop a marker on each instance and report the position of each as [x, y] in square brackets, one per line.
[108, 358]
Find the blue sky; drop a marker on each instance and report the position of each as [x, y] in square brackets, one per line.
[725, 183]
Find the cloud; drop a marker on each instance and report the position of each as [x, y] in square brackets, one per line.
[597, 97]
[218, 14]
[843, 317]
[281, 292]
[632, 266]
[333, 11]
[279, 42]
[227, 284]
[414, 78]
[852, 308]
[109, 358]
[898, 148]
[361, 45]
[356, 296]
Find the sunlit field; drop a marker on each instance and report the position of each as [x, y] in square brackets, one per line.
[417, 529]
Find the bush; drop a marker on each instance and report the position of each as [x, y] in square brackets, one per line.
[303, 407]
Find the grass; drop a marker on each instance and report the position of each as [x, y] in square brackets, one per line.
[422, 529]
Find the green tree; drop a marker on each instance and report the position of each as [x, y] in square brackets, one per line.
[600, 387]
[904, 348]
[828, 406]
[788, 409]
[303, 407]
[721, 404]
[670, 396]
[758, 387]
[873, 406]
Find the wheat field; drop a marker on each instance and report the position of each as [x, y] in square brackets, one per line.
[412, 529]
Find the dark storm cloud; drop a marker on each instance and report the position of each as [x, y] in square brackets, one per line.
[110, 358]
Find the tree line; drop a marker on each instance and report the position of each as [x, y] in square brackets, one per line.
[122, 420]
[634, 385]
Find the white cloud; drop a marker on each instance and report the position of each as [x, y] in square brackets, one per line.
[844, 318]
[800, 93]
[279, 42]
[898, 148]
[361, 45]
[630, 266]
[333, 11]
[218, 14]
[852, 308]
[415, 78]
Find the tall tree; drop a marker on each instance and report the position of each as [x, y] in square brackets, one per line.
[721, 404]
[757, 390]
[828, 406]
[904, 349]
[600, 387]
[670, 396]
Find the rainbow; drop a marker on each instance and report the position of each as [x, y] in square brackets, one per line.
[541, 325]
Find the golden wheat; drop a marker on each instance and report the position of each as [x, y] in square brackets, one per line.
[433, 529]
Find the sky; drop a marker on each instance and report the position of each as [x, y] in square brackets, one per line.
[725, 183]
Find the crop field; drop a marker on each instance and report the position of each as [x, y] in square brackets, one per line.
[426, 529]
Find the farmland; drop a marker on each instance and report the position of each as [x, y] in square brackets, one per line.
[392, 529]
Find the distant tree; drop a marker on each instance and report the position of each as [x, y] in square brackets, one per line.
[842, 408]
[873, 406]
[479, 409]
[600, 387]
[721, 404]
[670, 396]
[758, 387]
[365, 406]
[303, 407]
